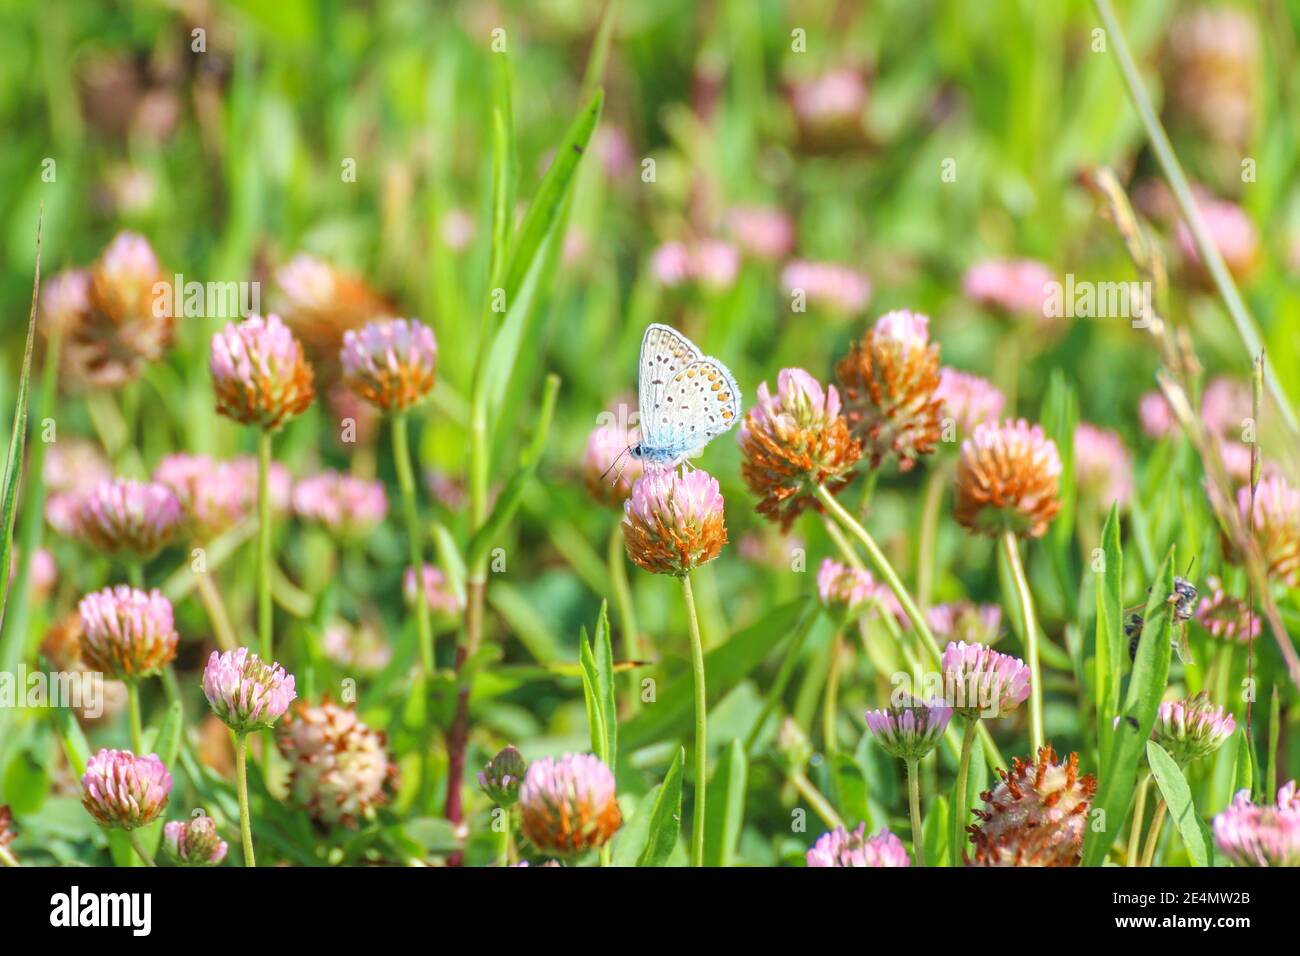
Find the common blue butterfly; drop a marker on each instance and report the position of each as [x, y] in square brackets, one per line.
[686, 398]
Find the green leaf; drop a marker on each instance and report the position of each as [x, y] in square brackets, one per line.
[591, 694]
[1274, 731]
[604, 658]
[1244, 769]
[26, 782]
[17, 440]
[166, 741]
[1060, 416]
[665, 816]
[74, 741]
[1178, 799]
[849, 790]
[725, 808]
[1145, 688]
[1111, 649]
[936, 832]
[976, 781]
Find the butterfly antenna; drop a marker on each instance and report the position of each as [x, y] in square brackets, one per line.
[1188, 572]
[613, 463]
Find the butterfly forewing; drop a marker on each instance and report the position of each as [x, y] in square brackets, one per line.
[664, 353]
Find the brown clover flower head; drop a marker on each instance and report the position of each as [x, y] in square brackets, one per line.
[568, 806]
[124, 516]
[1036, 816]
[794, 441]
[1008, 479]
[110, 317]
[340, 771]
[259, 373]
[127, 633]
[391, 362]
[889, 381]
[321, 304]
[673, 523]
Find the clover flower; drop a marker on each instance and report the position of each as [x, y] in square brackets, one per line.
[967, 399]
[321, 304]
[1008, 480]
[1156, 416]
[340, 770]
[761, 232]
[501, 777]
[909, 730]
[888, 381]
[245, 691]
[124, 516]
[1225, 406]
[793, 442]
[390, 363]
[1103, 468]
[709, 263]
[1192, 728]
[1036, 816]
[127, 633]
[346, 505]
[568, 806]
[608, 482]
[437, 590]
[1225, 616]
[980, 682]
[194, 842]
[1211, 65]
[1009, 285]
[839, 847]
[829, 109]
[7, 834]
[1276, 526]
[122, 790]
[965, 621]
[840, 290]
[844, 586]
[673, 523]
[1232, 233]
[209, 492]
[1251, 835]
[259, 373]
[360, 648]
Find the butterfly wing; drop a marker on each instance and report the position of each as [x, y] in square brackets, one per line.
[664, 353]
[700, 403]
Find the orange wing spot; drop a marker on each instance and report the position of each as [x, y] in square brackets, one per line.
[716, 385]
[724, 397]
[691, 373]
[726, 414]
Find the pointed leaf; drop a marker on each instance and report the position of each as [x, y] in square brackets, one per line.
[665, 817]
[1178, 799]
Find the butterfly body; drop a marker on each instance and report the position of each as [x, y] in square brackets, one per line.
[685, 398]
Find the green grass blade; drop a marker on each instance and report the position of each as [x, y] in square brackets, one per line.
[1110, 648]
[665, 817]
[1178, 798]
[726, 805]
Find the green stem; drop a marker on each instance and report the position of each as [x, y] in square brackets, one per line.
[405, 479]
[1135, 831]
[830, 700]
[820, 805]
[626, 611]
[133, 837]
[880, 564]
[914, 805]
[133, 711]
[1012, 551]
[929, 532]
[1205, 246]
[701, 736]
[265, 641]
[241, 784]
[960, 811]
[1153, 836]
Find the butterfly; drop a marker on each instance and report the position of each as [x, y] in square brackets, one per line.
[686, 398]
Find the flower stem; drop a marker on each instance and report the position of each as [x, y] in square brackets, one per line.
[626, 610]
[241, 784]
[1153, 835]
[820, 805]
[405, 478]
[133, 837]
[929, 532]
[960, 811]
[830, 700]
[701, 706]
[1135, 832]
[265, 642]
[914, 805]
[1009, 546]
[210, 597]
[133, 711]
[880, 564]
